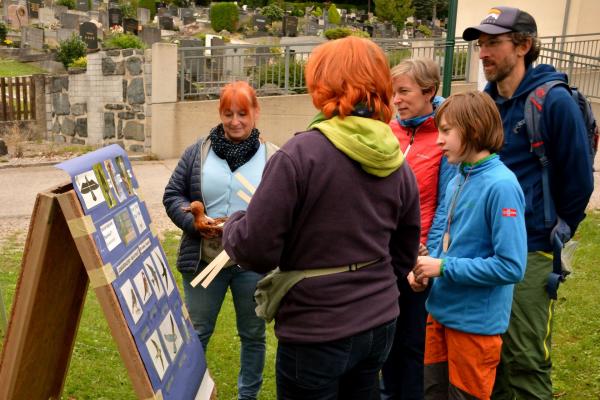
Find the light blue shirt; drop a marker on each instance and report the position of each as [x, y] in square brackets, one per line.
[220, 187]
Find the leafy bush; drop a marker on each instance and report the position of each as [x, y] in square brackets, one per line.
[224, 16]
[395, 56]
[273, 12]
[71, 49]
[333, 15]
[317, 12]
[128, 10]
[150, 5]
[338, 33]
[124, 41]
[424, 30]
[81, 62]
[3, 32]
[70, 4]
[297, 12]
[274, 73]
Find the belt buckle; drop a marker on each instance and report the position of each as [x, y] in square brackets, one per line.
[353, 267]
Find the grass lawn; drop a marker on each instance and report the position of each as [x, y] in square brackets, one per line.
[9, 67]
[97, 372]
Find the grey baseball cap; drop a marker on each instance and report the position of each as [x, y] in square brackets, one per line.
[502, 20]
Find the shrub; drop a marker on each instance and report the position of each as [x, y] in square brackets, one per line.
[81, 62]
[224, 16]
[274, 73]
[3, 32]
[128, 10]
[297, 12]
[150, 5]
[338, 33]
[71, 49]
[317, 12]
[124, 41]
[273, 12]
[70, 4]
[333, 15]
[424, 30]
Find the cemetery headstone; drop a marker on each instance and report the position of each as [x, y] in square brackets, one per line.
[143, 15]
[64, 34]
[166, 23]
[149, 35]
[69, 21]
[17, 16]
[103, 18]
[46, 16]
[290, 25]
[89, 34]
[162, 12]
[59, 10]
[33, 6]
[189, 20]
[115, 17]
[194, 60]
[32, 37]
[369, 29]
[260, 21]
[185, 12]
[130, 25]
[82, 5]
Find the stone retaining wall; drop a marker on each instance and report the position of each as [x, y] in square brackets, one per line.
[104, 104]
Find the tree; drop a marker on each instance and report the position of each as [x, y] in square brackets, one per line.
[395, 11]
[424, 9]
[333, 15]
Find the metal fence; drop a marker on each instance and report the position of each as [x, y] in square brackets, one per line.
[578, 56]
[275, 70]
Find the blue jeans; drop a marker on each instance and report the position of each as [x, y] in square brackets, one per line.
[402, 374]
[204, 306]
[341, 369]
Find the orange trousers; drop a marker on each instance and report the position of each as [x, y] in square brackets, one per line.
[470, 360]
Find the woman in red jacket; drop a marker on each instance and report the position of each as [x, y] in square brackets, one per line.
[415, 83]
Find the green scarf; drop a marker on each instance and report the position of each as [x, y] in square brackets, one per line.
[369, 142]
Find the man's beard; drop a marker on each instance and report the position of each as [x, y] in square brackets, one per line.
[500, 73]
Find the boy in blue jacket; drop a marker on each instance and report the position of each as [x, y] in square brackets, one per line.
[481, 256]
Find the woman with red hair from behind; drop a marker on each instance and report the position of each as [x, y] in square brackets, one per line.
[337, 211]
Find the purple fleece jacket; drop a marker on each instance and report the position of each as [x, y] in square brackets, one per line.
[317, 208]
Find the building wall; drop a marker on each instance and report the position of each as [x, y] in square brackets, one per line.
[549, 15]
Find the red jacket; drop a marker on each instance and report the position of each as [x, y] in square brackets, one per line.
[424, 158]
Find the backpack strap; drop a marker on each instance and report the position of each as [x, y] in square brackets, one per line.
[534, 105]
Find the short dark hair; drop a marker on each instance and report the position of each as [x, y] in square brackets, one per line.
[520, 38]
[475, 115]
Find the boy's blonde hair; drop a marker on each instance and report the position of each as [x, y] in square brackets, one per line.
[475, 115]
[424, 71]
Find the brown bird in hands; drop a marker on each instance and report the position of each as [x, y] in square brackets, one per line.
[208, 227]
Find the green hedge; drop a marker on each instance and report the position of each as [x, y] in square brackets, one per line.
[338, 33]
[224, 16]
[123, 41]
[3, 32]
[71, 49]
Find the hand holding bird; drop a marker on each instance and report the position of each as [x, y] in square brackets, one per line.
[208, 227]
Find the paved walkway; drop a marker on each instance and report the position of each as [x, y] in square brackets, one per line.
[20, 186]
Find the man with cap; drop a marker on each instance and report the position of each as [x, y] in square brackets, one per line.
[508, 43]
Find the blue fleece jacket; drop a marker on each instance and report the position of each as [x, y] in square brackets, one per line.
[487, 251]
[563, 132]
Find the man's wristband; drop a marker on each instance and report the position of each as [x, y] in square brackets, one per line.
[442, 265]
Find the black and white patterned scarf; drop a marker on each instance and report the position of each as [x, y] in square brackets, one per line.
[236, 154]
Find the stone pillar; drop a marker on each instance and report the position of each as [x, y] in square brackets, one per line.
[39, 81]
[164, 73]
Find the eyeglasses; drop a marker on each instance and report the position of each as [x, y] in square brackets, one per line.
[491, 43]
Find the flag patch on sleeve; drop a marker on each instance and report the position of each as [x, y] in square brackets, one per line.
[509, 212]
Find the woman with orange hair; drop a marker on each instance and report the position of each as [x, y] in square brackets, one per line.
[338, 211]
[204, 184]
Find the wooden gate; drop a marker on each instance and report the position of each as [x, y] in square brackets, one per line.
[18, 98]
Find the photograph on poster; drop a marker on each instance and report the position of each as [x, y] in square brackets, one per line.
[152, 274]
[138, 218]
[186, 330]
[110, 234]
[163, 270]
[114, 182]
[171, 336]
[88, 186]
[142, 284]
[157, 354]
[132, 301]
[104, 186]
[125, 226]
[124, 175]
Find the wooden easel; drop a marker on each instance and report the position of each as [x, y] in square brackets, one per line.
[58, 263]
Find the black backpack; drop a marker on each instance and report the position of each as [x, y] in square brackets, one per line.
[533, 113]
